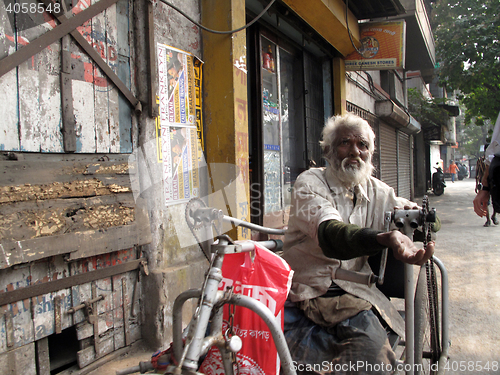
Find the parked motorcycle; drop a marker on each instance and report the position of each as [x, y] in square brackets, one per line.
[438, 183]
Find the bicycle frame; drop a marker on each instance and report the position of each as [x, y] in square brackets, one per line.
[199, 343]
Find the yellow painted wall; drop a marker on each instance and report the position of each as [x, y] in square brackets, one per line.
[327, 17]
[225, 108]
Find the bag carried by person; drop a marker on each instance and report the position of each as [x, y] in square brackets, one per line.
[267, 278]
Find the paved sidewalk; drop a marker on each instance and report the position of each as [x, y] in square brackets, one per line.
[471, 254]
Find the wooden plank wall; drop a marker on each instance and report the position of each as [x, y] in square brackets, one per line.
[35, 319]
[31, 93]
[63, 215]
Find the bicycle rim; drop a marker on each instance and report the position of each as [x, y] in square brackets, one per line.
[427, 326]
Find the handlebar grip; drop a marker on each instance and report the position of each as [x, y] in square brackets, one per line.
[279, 245]
[273, 245]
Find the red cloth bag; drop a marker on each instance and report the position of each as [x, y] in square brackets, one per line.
[267, 279]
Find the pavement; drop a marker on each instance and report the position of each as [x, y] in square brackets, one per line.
[471, 254]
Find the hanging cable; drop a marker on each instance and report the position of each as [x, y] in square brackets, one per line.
[349, 31]
[218, 31]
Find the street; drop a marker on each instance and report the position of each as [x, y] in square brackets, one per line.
[471, 254]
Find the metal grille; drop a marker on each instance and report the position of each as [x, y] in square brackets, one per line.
[404, 165]
[389, 156]
[315, 118]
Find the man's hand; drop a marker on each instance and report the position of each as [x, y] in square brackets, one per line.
[404, 249]
[481, 203]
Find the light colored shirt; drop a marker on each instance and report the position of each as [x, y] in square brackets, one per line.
[318, 196]
[494, 147]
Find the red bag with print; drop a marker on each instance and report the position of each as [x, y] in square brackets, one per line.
[267, 279]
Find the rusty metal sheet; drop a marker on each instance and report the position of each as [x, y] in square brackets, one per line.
[57, 314]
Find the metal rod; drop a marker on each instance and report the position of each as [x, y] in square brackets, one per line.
[445, 337]
[177, 319]
[248, 225]
[82, 305]
[409, 290]
[268, 317]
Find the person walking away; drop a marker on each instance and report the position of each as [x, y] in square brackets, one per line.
[453, 170]
[480, 171]
[483, 195]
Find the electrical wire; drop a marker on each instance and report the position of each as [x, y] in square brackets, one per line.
[218, 31]
[348, 30]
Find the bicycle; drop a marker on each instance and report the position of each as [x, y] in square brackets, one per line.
[425, 348]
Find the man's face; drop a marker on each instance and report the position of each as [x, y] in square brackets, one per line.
[352, 144]
[352, 156]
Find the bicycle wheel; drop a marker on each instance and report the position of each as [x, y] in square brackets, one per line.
[427, 322]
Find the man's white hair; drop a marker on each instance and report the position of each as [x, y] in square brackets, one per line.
[350, 121]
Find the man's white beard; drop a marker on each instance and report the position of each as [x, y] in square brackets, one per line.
[352, 174]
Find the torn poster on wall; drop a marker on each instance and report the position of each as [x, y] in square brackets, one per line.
[179, 126]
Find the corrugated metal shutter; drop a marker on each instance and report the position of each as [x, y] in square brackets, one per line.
[388, 156]
[374, 123]
[404, 166]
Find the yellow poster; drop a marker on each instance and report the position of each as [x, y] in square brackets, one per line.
[179, 124]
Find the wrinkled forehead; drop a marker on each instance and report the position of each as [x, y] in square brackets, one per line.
[352, 132]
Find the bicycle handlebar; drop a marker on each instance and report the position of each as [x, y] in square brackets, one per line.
[259, 228]
[273, 245]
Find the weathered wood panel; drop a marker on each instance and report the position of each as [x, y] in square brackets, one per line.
[33, 118]
[19, 361]
[16, 326]
[9, 126]
[33, 319]
[44, 307]
[82, 207]
[107, 344]
[39, 93]
[124, 73]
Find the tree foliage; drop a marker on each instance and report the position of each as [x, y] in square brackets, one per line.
[467, 34]
[427, 112]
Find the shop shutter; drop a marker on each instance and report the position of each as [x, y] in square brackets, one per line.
[388, 156]
[404, 166]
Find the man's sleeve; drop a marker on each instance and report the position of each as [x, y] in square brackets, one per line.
[347, 241]
[311, 206]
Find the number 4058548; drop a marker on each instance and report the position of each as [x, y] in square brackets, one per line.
[32, 8]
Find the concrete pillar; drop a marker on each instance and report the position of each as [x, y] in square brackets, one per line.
[225, 108]
[339, 86]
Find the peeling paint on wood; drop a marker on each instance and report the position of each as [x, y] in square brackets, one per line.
[33, 120]
[35, 318]
[19, 361]
[88, 188]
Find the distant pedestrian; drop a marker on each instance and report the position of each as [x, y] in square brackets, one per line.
[482, 199]
[453, 170]
[481, 169]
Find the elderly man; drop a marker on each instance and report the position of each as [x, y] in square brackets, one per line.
[336, 221]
